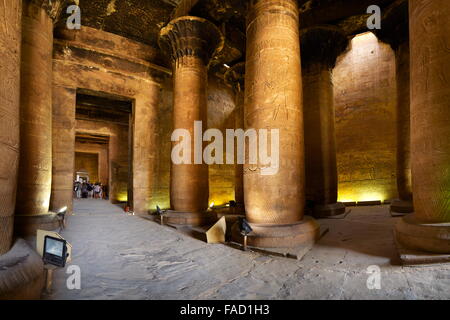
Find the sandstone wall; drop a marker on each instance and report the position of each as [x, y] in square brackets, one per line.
[365, 101]
[87, 162]
[102, 63]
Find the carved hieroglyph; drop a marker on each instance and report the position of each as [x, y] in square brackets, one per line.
[428, 229]
[273, 100]
[430, 108]
[35, 165]
[10, 37]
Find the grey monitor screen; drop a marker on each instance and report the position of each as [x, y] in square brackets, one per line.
[55, 247]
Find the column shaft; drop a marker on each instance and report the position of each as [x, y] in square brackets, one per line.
[395, 32]
[428, 229]
[35, 165]
[430, 108]
[321, 46]
[273, 101]
[235, 78]
[145, 127]
[239, 168]
[63, 148]
[189, 182]
[10, 44]
[320, 138]
[274, 202]
[192, 42]
[404, 183]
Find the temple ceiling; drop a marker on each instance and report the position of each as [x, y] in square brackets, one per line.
[141, 20]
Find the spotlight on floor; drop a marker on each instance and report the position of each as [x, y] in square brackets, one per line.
[245, 229]
[160, 213]
[61, 215]
[55, 251]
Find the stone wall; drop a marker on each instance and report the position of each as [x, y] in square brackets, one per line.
[87, 162]
[102, 151]
[102, 63]
[365, 102]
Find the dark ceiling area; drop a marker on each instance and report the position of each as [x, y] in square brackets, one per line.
[141, 20]
[89, 138]
[90, 107]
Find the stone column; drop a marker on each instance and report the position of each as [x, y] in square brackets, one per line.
[10, 39]
[192, 42]
[395, 31]
[321, 46]
[428, 229]
[35, 164]
[275, 199]
[234, 78]
[145, 134]
[63, 148]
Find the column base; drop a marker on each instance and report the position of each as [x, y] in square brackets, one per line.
[328, 210]
[304, 233]
[194, 219]
[428, 237]
[402, 206]
[27, 225]
[21, 273]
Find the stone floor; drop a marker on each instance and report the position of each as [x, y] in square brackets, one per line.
[127, 257]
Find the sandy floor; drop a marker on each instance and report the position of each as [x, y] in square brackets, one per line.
[127, 257]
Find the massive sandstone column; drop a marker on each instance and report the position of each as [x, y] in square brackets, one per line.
[275, 203]
[235, 77]
[35, 164]
[145, 134]
[395, 31]
[191, 42]
[428, 229]
[63, 147]
[321, 46]
[10, 39]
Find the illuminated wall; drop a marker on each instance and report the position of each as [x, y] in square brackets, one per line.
[365, 100]
[221, 104]
[87, 162]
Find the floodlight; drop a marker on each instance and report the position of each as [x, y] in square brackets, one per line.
[55, 251]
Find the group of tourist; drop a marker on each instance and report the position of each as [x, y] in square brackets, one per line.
[86, 190]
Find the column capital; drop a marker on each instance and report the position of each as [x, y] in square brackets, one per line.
[395, 24]
[52, 7]
[235, 77]
[322, 44]
[191, 36]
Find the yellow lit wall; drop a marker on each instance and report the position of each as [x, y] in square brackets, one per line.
[365, 100]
